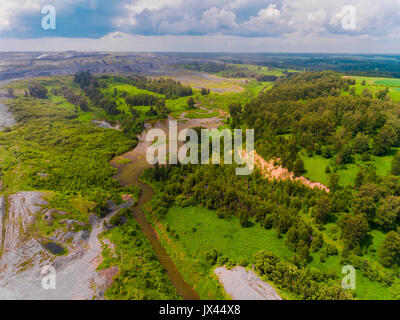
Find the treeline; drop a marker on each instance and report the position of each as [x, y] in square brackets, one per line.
[314, 114]
[304, 283]
[140, 274]
[38, 91]
[208, 67]
[91, 87]
[74, 159]
[229, 70]
[168, 87]
[273, 204]
[77, 100]
[143, 100]
[311, 108]
[267, 78]
[387, 66]
[375, 204]
[77, 155]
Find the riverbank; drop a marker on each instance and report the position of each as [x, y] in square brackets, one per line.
[129, 173]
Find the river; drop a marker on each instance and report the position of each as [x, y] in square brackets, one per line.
[128, 174]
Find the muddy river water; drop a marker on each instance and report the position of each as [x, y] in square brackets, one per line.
[128, 174]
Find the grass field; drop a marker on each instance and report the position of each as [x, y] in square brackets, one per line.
[316, 166]
[201, 115]
[195, 231]
[375, 84]
[263, 70]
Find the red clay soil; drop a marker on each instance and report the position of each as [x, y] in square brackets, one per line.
[276, 172]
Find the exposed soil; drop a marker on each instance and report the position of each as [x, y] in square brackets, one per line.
[277, 172]
[23, 256]
[242, 284]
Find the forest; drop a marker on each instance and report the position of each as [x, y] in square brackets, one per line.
[50, 149]
[373, 65]
[313, 113]
[297, 117]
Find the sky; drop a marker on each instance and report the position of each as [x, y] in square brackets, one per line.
[341, 26]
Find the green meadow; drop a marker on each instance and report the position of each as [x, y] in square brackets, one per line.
[195, 231]
[316, 166]
[375, 84]
[190, 233]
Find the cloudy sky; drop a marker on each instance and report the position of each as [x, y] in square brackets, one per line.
[203, 25]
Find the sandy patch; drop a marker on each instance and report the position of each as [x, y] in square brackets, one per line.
[242, 284]
[277, 172]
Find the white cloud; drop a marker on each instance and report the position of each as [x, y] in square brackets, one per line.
[215, 18]
[270, 14]
[10, 9]
[119, 42]
[136, 7]
[184, 25]
[280, 19]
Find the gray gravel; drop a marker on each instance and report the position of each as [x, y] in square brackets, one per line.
[242, 284]
[23, 257]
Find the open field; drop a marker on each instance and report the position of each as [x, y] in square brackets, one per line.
[264, 70]
[194, 231]
[316, 166]
[375, 84]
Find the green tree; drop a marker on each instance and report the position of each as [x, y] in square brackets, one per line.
[384, 140]
[361, 143]
[354, 228]
[321, 210]
[303, 251]
[298, 167]
[395, 289]
[387, 213]
[381, 94]
[396, 165]
[366, 93]
[235, 108]
[10, 92]
[328, 170]
[334, 182]
[83, 104]
[345, 155]
[317, 242]
[389, 252]
[190, 102]
[205, 91]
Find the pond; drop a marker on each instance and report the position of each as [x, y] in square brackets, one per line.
[54, 248]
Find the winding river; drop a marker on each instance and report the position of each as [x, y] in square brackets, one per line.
[128, 174]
